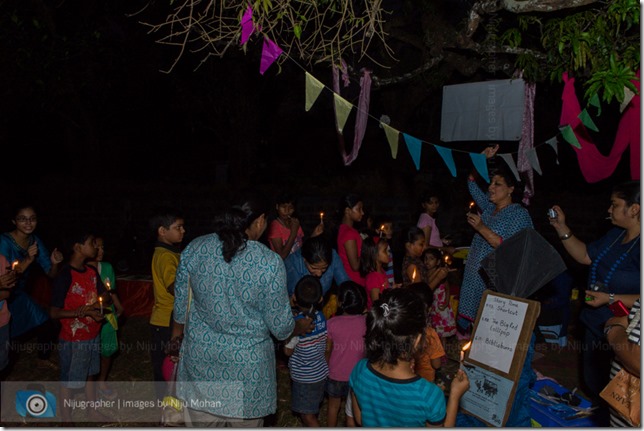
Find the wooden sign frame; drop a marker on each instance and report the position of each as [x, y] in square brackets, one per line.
[519, 353]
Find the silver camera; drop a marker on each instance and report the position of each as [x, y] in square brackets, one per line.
[552, 213]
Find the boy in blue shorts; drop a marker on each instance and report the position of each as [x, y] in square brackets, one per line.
[307, 362]
[75, 302]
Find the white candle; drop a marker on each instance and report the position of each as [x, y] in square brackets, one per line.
[321, 217]
[100, 301]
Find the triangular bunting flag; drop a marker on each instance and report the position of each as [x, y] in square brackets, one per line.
[246, 25]
[270, 52]
[569, 135]
[531, 155]
[414, 148]
[480, 163]
[446, 154]
[553, 142]
[313, 89]
[342, 110]
[594, 101]
[392, 137]
[510, 162]
[628, 96]
[584, 116]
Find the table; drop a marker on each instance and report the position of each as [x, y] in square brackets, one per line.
[136, 294]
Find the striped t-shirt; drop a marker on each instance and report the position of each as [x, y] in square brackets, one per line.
[308, 363]
[387, 402]
[634, 337]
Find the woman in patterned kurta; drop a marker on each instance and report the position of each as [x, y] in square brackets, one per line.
[227, 366]
[499, 220]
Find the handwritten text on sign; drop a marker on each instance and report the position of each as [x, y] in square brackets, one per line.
[497, 334]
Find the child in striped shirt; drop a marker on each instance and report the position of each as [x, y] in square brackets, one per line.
[307, 363]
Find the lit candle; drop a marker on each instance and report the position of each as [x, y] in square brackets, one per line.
[413, 276]
[447, 260]
[465, 347]
[107, 284]
[100, 301]
[14, 264]
[321, 217]
[382, 230]
[472, 205]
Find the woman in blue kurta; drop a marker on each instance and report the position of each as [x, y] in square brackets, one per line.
[226, 372]
[23, 246]
[499, 219]
[614, 262]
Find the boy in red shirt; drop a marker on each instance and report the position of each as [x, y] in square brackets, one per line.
[75, 302]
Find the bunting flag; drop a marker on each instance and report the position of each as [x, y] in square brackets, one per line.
[628, 96]
[392, 137]
[342, 110]
[414, 148]
[446, 154]
[313, 90]
[247, 27]
[554, 144]
[569, 135]
[531, 155]
[584, 116]
[270, 53]
[507, 158]
[594, 101]
[480, 163]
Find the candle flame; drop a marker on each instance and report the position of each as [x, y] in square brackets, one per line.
[14, 264]
[108, 285]
[382, 227]
[413, 276]
[466, 346]
[100, 299]
[472, 204]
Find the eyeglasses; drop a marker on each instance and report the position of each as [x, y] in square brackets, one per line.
[23, 219]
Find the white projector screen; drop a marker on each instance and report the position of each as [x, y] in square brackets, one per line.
[483, 111]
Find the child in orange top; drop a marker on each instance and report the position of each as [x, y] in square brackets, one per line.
[430, 357]
[373, 260]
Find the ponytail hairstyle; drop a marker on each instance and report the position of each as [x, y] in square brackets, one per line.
[413, 234]
[348, 201]
[393, 325]
[231, 224]
[352, 298]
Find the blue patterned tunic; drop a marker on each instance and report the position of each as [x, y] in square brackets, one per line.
[506, 223]
[227, 364]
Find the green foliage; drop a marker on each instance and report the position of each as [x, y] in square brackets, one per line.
[600, 45]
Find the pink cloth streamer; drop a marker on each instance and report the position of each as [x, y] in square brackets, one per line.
[363, 110]
[527, 141]
[270, 52]
[594, 165]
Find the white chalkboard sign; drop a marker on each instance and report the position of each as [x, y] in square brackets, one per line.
[498, 331]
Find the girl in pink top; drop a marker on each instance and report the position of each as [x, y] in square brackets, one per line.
[373, 260]
[345, 346]
[285, 235]
[430, 203]
[349, 239]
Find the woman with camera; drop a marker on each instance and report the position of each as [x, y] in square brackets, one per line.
[614, 275]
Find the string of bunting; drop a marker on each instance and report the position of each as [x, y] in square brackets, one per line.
[314, 87]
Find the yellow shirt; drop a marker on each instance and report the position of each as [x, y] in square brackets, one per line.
[164, 270]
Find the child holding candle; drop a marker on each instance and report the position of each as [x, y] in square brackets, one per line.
[440, 313]
[75, 303]
[385, 391]
[109, 340]
[413, 267]
[430, 202]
